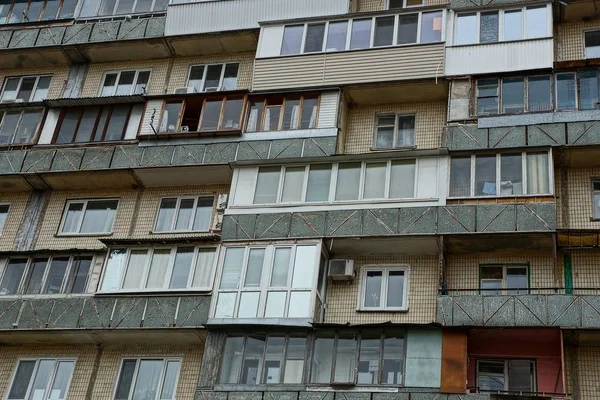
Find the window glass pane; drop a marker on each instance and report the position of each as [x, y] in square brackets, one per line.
[195, 78]
[485, 175]
[360, 38]
[385, 132]
[596, 199]
[125, 7]
[73, 217]
[158, 269]
[275, 305]
[17, 12]
[488, 27]
[519, 376]
[513, 29]
[99, 216]
[230, 76]
[3, 214]
[304, 267]
[56, 275]
[431, 27]
[255, 116]
[293, 183]
[86, 128]
[41, 90]
[10, 88]
[9, 126]
[51, 10]
[281, 267]
[292, 39]
[466, 29]
[407, 29]
[402, 179]
[291, 114]
[395, 289]
[336, 36]
[146, 383]
[181, 267]
[393, 354]
[28, 126]
[368, 361]
[205, 263]
[588, 90]
[372, 296]
[170, 381]
[513, 95]
[319, 178]
[141, 83]
[299, 305]
[322, 358]
[203, 216]
[487, 96]
[184, 216]
[536, 22]
[254, 269]
[345, 358]
[255, 346]
[34, 11]
[26, 89]
[125, 85]
[375, 181]
[384, 31]
[114, 269]
[101, 124]
[211, 115]
[267, 185]
[565, 91]
[308, 118]
[396, 4]
[232, 268]
[294, 363]
[511, 174]
[21, 380]
[232, 114]
[232, 359]
[592, 44]
[34, 282]
[60, 385]
[166, 213]
[4, 9]
[538, 173]
[79, 274]
[249, 305]
[348, 175]
[271, 119]
[539, 97]
[225, 305]
[67, 126]
[460, 176]
[42, 376]
[170, 117]
[516, 278]
[117, 123]
[68, 9]
[315, 34]
[135, 269]
[273, 360]
[406, 131]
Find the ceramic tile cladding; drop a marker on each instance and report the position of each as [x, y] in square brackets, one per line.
[191, 357]
[150, 199]
[342, 297]
[429, 124]
[60, 74]
[181, 68]
[588, 370]
[95, 75]
[16, 211]
[586, 270]
[84, 364]
[48, 238]
[580, 211]
[568, 40]
[462, 270]
[379, 5]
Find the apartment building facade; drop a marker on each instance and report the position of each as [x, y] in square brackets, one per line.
[309, 200]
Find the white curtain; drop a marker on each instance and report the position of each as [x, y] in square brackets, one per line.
[252, 121]
[294, 117]
[313, 118]
[267, 123]
[164, 123]
[537, 173]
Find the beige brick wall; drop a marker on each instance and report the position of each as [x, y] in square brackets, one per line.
[380, 5]
[181, 67]
[84, 355]
[429, 124]
[462, 270]
[60, 74]
[580, 208]
[568, 39]
[342, 297]
[588, 369]
[111, 357]
[16, 212]
[158, 75]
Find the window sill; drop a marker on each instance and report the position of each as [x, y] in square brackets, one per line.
[173, 292]
[336, 203]
[508, 196]
[178, 232]
[382, 310]
[68, 235]
[452, 46]
[198, 134]
[402, 148]
[86, 144]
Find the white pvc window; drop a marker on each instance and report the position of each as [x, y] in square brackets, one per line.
[123, 83]
[104, 8]
[89, 216]
[20, 126]
[159, 269]
[596, 198]
[184, 214]
[213, 77]
[384, 288]
[363, 33]
[41, 379]
[3, 215]
[392, 131]
[25, 88]
[268, 282]
[148, 379]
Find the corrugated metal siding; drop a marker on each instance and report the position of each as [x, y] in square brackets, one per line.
[376, 65]
[328, 110]
[151, 106]
[229, 15]
[499, 57]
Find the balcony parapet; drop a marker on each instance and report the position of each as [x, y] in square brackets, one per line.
[522, 310]
[433, 220]
[294, 394]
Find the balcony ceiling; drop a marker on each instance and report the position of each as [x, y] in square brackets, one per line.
[578, 10]
[226, 42]
[579, 157]
[412, 92]
[457, 244]
[348, 247]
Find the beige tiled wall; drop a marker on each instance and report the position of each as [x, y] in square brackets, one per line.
[60, 74]
[16, 212]
[462, 270]
[380, 5]
[580, 209]
[342, 297]
[111, 357]
[588, 370]
[568, 40]
[158, 75]
[586, 270]
[181, 67]
[429, 124]
[84, 355]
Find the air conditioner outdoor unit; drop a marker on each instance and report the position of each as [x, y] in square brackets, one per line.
[341, 270]
[186, 89]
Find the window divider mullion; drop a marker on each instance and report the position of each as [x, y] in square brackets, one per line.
[525, 184]
[361, 180]
[122, 277]
[18, 126]
[138, 361]
[161, 379]
[281, 183]
[325, 35]
[358, 341]
[395, 30]
[286, 344]
[498, 174]
[26, 277]
[83, 210]
[239, 370]
[384, 280]
[32, 378]
[473, 177]
[305, 182]
[387, 179]
[193, 216]
[170, 268]
[348, 33]
[176, 214]
[45, 274]
[51, 380]
[147, 267]
[380, 363]
[334, 357]
[222, 76]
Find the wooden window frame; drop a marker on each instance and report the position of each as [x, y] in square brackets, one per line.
[260, 123]
[56, 16]
[81, 111]
[35, 135]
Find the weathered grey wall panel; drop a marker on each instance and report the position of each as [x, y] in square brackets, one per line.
[213, 350]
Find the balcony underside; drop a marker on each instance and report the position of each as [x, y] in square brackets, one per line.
[339, 394]
[408, 92]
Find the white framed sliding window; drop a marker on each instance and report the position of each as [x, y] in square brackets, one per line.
[384, 288]
[25, 88]
[213, 77]
[184, 214]
[41, 379]
[123, 83]
[90, 216]
[147, 378]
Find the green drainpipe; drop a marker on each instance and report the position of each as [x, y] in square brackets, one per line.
[568, 267]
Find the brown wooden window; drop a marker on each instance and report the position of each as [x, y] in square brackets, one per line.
[199, 114]
[93, 124]
[16, 11]
[275, 113]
